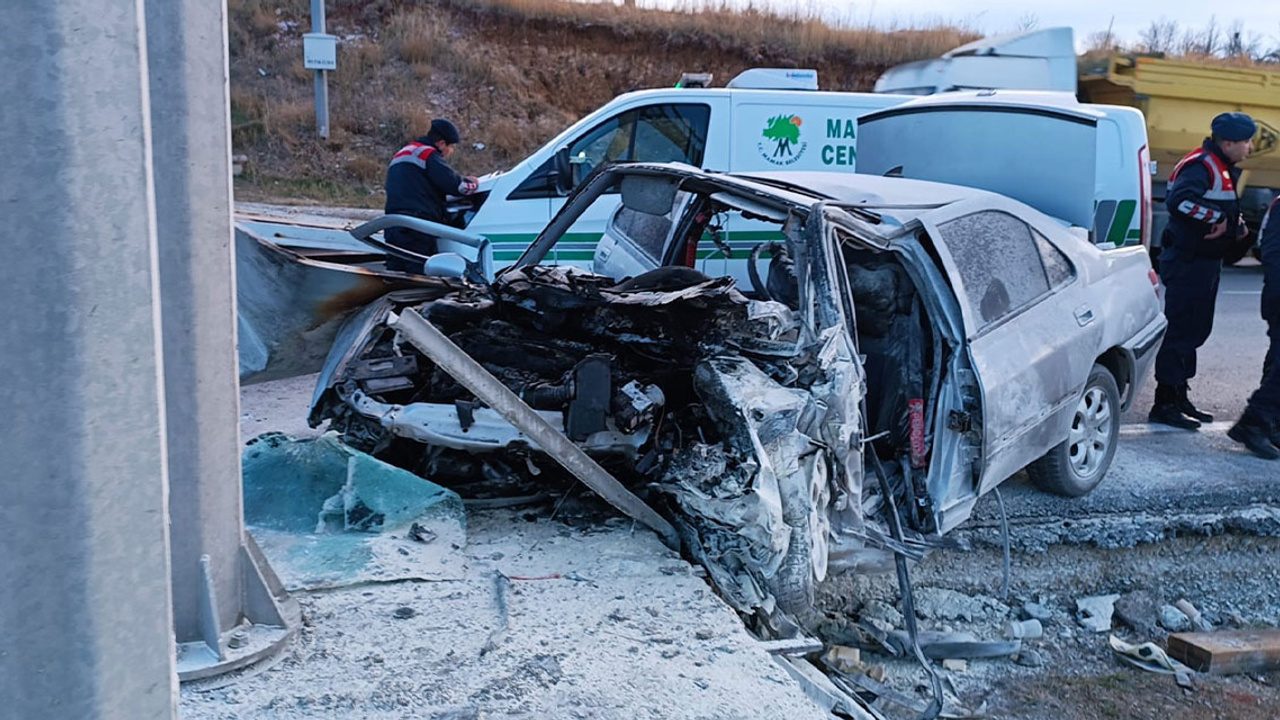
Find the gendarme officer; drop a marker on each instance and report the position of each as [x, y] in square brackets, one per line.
[1204, 223]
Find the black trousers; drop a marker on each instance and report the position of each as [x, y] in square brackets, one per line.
[1265, 401]
[410, 240]
[1190, 296]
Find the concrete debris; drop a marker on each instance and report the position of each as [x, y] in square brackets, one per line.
[1174, 620]
[955, 665]
[843, 658]
[945, 604]
[882, 614]
[1036, 611]
[1198, 621]
[1139, 610]
[1028, 657]
[1094, 613]
[1023, 629]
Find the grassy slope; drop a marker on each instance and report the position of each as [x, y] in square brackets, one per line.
[510, 73]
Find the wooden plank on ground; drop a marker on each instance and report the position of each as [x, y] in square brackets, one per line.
[1228, 651]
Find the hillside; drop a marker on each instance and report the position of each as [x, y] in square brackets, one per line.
[510, 73]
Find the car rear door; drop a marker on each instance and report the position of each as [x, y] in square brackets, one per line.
[1030, 329]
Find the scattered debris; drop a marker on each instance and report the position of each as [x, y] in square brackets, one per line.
[330, 515]
[499, 632]
[1023, 629]
[1150, 657]
[1094, 613]
[1198, 621]
[1228, 651]
[1139, 610]
[1036, 611]
[1174, 620]
[802, 645]
[955, 665]
[823, 690]
[1029, 657]
[403, 613]
[843, 658]
[420, 534]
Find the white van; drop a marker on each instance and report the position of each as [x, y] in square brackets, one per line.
[765, 119]
[1087, 165]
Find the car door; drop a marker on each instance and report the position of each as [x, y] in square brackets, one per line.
[1029, 327]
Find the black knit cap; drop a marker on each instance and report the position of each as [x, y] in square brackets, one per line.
[1234, 126]
[442, 129]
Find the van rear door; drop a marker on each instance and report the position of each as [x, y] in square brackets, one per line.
[1040, 148]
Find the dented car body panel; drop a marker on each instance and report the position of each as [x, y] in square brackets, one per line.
[749, 416]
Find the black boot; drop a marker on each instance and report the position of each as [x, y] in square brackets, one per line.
[1186, 408]
[1165, 410]
[1255, 434]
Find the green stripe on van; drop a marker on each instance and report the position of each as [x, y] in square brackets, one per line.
[1120, 223]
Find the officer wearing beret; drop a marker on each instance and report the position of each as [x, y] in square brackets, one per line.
[1204, 222]
[419, 180]
[1259, 427]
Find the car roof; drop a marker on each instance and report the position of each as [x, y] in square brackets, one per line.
[902, 198]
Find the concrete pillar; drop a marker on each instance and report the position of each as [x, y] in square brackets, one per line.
[86, 629]
[227, 609]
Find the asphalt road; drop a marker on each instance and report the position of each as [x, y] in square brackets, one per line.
[1230, 363]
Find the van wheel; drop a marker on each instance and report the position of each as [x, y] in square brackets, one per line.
[1076, 466]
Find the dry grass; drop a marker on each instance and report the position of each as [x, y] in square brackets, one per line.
[510, 73]
[800, 32]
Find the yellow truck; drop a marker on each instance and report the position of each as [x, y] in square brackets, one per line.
[1179, 99]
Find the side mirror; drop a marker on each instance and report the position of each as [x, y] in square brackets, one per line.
[445, 264]
[562, 172]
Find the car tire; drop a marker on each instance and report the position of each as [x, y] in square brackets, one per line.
[1076, 466]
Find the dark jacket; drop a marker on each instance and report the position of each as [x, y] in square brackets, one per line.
[1201, 194]
[1269, 245]
[419, 180]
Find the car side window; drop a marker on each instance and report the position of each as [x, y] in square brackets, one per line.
[654, 133]
[1057, 268]
[999, 261]
[646, 232]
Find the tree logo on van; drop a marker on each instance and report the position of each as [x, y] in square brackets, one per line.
[784, 131]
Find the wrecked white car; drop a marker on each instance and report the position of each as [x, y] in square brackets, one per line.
[905, 347]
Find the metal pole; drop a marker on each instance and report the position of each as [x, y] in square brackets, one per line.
[227, 611]
[86, 629]
[322, 76]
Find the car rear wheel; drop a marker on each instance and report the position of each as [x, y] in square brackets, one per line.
[1076, 466]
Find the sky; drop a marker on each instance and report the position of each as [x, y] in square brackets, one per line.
[995, 17]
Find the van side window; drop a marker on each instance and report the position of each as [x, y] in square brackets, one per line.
[654, 133]
[999, 262]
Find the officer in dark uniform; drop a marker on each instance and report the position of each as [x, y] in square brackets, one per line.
[419, 180]
[1204, 223]
[1259, 427]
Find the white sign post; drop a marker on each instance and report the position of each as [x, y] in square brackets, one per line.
[320, 53]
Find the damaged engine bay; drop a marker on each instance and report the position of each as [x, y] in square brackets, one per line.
[745, 421]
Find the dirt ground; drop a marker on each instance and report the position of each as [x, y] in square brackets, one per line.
[602, 621]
